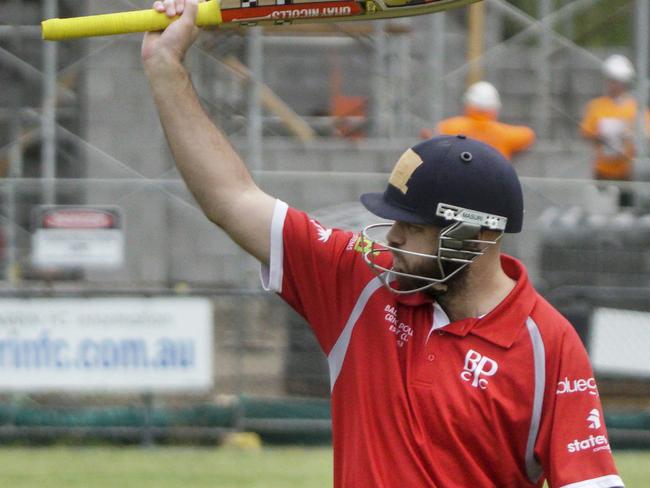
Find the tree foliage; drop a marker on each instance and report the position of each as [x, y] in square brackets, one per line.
[606, 23]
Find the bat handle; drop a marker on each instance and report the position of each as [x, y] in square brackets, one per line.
[209, 14]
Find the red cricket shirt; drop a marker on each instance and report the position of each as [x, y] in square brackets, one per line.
[506, 400]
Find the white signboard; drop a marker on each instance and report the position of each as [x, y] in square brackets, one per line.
[69, 236]
[106, 344]
[620, 341]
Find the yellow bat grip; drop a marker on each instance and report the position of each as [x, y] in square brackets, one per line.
[209, 14]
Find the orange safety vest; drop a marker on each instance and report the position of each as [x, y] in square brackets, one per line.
[609, 123]
[483, 126]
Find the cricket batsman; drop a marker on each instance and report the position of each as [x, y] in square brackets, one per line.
[447, 368]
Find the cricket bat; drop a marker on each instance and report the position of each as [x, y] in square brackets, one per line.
[214, 13]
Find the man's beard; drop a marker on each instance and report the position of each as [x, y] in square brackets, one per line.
[430, 269]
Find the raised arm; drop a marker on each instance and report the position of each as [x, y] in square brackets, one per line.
[211, 168]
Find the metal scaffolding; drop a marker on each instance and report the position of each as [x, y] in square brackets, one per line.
[410, 73]
[391, 110]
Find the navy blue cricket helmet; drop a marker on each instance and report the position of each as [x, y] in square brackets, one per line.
[451, 171]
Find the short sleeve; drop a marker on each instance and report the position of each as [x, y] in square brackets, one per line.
[317, 270]
[573, 446]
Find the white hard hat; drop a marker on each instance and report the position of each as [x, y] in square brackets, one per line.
[618, 67]
[483, 95]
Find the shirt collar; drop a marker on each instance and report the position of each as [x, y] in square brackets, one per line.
[502, 325]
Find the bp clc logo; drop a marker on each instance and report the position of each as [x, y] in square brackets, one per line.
[477, 367]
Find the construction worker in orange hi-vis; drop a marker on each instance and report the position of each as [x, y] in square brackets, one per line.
[609, 122]
[482, 105]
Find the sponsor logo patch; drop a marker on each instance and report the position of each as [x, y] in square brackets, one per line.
[593, 419]
[476, 368]
[402, 331]
[579, 385]
[404, 169]
[594, 443]
[303, 13]
[362, 245]
[323, 233]
[352, 242]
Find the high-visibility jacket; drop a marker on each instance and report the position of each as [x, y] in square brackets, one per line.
[610, 124]
[483, 126]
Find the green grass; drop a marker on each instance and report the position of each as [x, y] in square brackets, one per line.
[634, 467]
[165, 468]
[65, 467]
